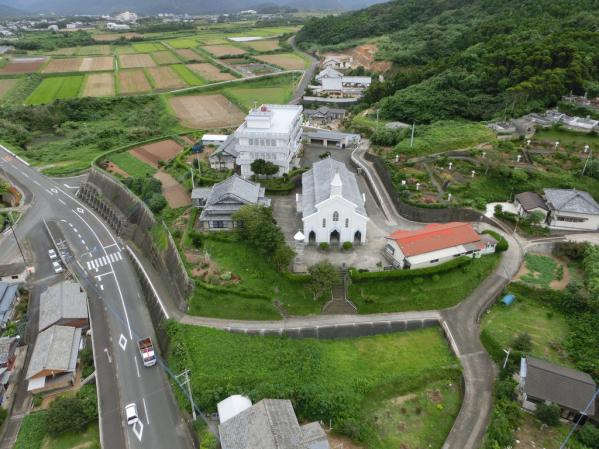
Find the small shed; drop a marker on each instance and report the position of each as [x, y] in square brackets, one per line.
[508, 299]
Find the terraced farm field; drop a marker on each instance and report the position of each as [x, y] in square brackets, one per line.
[209, 72]
[136, 60]
[133, 81]
[153, 153]
[206, 111]
[110, 37]
[22, 65]
[97, 50]
[165, 57]
[53, 88]
[265, 45]
[148, 47]
[189, 55]
[97, 64]
[99, 85]
[165, 78]
[63, 65]
[223, 50]
[183, 43]
[288, 61]
[187, 75]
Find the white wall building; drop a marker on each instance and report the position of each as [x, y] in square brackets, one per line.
[272, 133]
[126, 16]
[331, 205]
[571, 209]
[117, 26]
[332, 81]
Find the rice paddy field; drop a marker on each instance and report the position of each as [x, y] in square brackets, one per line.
[56, 88]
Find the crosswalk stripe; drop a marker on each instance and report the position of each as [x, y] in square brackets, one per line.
[120, 255]
[89, 265]
[105, 259]
[113, 257]
[93, 262]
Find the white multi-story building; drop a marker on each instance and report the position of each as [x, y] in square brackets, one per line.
[271, 132]
[126, 16]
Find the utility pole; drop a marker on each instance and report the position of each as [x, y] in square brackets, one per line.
[587, 161]
[412, 138]
[10, 223]
[187, 382]
[583, 413]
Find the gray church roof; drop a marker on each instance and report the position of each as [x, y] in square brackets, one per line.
[571, 200]
[56, 350]
[316, 185]
[64, 300]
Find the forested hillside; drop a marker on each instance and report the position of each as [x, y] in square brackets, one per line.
[476, 59]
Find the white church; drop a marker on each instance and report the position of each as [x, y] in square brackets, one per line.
[331, 205]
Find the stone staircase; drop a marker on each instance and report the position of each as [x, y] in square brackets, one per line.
[339, 304]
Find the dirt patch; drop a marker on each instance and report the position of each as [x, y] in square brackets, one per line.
[435, 396]
[401, 399]
[339, 442]
[288, 61]
[133, 81]
[99, 85]
[364, 55]
[63, 65]
[165, 57]
[22, 65]
[176, 195]
[113, 168]
[136, 60]
[98, 64]
[206, 111]
[152, 153]
[6, 85]
[223, 50]
[165, 78]
[115, 36]
[189, 55]
[210, 72]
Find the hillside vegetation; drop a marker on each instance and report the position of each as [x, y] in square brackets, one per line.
[475, 59]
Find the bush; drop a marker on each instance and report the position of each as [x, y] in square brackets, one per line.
[347, 245]
[502, 244]
[66, 414]
[196, 239]
[522, 342]
[358, 276]
[548, 414]
[324, 246]
[589, 436]
[37, 400]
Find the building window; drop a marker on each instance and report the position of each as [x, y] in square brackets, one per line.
[347, 222]
[390, 249]
[571, 219]
[434, 261]
[335, 216]
[324, 222]
[217, 224]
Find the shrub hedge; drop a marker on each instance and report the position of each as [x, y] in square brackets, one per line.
[358, 276]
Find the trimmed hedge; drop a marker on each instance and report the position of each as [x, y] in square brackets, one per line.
[241, 292]
[406, 274]
[502, 244]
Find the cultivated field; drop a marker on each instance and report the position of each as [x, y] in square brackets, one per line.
[99, 85]
[98, 64]
[176, 195]
[133, 81]
[152, 153]
[209, 72]
[206, 111]
[68, 51]
[189, 55]
[63, 65]
[98, 50]
[287, 61]
[148, 47]
[183, 43]
[53, 88]
[165, 57]
[187, 75]
[109, 37]
[165, 78]
[6, 85]
[265, 45]
[22, 65]
[136, 60]
[223, 50]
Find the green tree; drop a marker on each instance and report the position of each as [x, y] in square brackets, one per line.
[548, 414]
[282, 257]
[522, 342]
[66, 414]
[323, 276]
[589, 436]
[262, 167]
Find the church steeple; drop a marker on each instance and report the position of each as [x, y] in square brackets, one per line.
[336, 185]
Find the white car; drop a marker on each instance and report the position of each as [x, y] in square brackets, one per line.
[131, 413]
[57, 267]
[52, 254]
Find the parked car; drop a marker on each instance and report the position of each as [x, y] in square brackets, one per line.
[57, 267]
[131, 413]
[52, 254]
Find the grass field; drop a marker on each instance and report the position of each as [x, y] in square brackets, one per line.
[354, 383]
[421, 293]
[247, 96]
[183, 43]
[287, 61]
[132, 165]
[32, 432]
[7, 85]
[147, 47]
[55, 88]
[165, 57]
[548, 329]
[187, 75]
[89, 439]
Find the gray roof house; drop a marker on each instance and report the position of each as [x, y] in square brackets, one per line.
[271, 424]
[572, 209]
[542, 381]
[64, 303]
[54, 358]
[13, 273]
[8, 298]
[225, 155]
[324, 114]
[220, 202]
[529, 202]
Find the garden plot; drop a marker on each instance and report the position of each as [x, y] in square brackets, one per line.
[152, 153]
[99, 50]
[22, 65]
[63, 65]
[136, 60]
[99, 85]
[264, 45]
[287, 61]
[6, 85]
[148, 47]
[98, 64]
[165, 78]
[133, 81]
[189, 55]
[206, 111]
[210, 72]
[176, 195]
[223, 50]
[165, 57]
[54, 88]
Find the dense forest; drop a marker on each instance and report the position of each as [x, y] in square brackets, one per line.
[476, 59]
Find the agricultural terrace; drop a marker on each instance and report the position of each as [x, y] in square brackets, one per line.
[22, 65]
[287, 61]
[206, 111]
[164, 78]
[223, 50]
[210, 72]
[99, 85]
[133, 81]
[359, 385]
[263, 45]
[189, 55]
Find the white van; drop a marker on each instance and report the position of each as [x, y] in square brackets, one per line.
[131, 413]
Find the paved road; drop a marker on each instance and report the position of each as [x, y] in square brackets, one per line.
[118, 313]
[308, 74]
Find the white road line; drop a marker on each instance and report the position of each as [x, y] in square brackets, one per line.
[75, 230]
[110, 246]
[83, 242]
[120, 256]
[146, 411]
[114, 257]
[93, 262]
[62, 202]
[136, 366]
[101, 286]
[100, 262]
[36, 183]
[89, 265]
[100, 276]
[71, 225]
[105, 260]
[79, 235]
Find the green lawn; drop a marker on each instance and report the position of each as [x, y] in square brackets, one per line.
[548, 329]
[421, 293]
[54, 88]
[541, 270]
[147, 47]
[132, 165]
[187, 75]
[182, 43]
[246, 96]
[32, 432]
[90, 439]
[349, 382]
[260, 284]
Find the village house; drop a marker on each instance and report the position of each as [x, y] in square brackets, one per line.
[9, 294]
[337, 62]
[333, 82]
[571, 209]
[544, 382]
[8, 349]
[269, 424]
[65, 304]
[529, 202]
[435, 244]
[323, 115]
[270, 132]
[220, 202]
[331, 205]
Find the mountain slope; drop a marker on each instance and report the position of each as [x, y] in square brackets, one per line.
[9, 11]
[477, 59]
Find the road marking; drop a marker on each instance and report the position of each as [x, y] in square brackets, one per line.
[36, 183]
[74, 229]
[146, 411]
[110, 246]
[123, 342]
[48, 190]
[101, 286]
[138, 433]
[89, 265]
[83, 242]
[71, 225]
[136, 366]
[108, 355]
[70, 187]
[62, 202]
[132, 254]
[105, 259]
